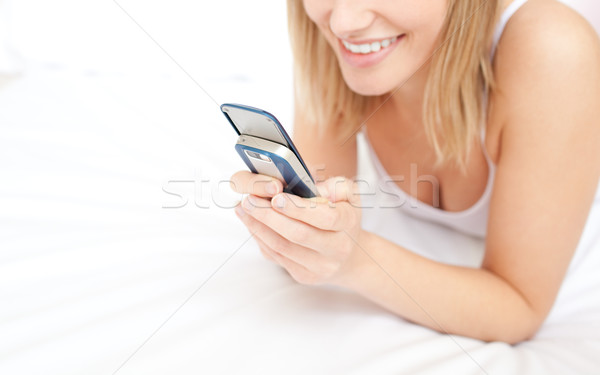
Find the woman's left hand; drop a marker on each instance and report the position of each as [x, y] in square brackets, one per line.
[314, 239]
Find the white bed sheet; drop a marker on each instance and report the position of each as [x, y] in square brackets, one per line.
[91, 264]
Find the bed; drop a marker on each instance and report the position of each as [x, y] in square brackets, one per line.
[119, 250]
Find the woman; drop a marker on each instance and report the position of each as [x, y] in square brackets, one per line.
[495, 101]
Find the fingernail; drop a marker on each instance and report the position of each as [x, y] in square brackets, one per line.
[249, 203]
[271, 188]
[240, 211]
[279, 202]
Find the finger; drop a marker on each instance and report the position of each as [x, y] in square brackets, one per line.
[317, 214]
[292, 230]
[246, 182]
[280, 244]
[297, 271]
[265, 250]
[337, 189]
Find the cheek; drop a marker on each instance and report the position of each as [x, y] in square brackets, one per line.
[317, 10]
[431, 25]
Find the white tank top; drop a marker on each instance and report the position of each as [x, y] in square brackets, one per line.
[473, 220]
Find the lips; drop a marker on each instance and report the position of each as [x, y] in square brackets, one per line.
[366, 54]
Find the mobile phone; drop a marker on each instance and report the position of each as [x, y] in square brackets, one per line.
[265, 147]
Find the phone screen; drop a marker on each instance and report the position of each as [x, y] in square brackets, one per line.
[254, 122]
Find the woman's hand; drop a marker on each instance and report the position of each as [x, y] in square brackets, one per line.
[314, 239]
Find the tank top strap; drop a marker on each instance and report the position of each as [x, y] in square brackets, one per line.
[504, 18]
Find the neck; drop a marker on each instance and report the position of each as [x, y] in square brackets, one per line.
[406, 103]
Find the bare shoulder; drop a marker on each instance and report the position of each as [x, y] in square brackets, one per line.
[547, 70]
[545, 104]
[546, 38]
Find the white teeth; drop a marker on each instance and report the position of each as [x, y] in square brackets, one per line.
[369, 47]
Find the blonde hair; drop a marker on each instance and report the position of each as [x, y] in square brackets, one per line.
[460, 78]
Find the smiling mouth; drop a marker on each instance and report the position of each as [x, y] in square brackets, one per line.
[367, 48]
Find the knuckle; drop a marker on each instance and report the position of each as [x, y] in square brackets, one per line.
[256, 184]
[280, 244]
[260, 208]
[351, 190]
[299, 234]
[260, 184]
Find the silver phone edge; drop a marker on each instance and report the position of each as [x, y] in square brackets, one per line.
[283, 152]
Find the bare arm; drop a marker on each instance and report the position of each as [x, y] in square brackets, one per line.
[548, 170]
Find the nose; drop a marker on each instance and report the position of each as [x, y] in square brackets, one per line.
[350, 18]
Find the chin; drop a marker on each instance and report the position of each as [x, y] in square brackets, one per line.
[367, 84]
